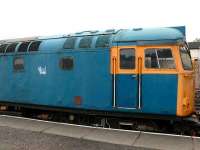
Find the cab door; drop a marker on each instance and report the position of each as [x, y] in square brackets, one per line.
[125, 78]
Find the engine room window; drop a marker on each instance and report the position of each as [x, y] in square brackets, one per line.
[18, 64]
[70, 43]
[159, 58]
[103, 41]
[85, 42]
[3, 48]
[11, 48]
[23, 47]
[34, 46]
[185, 58]
[66, 63]
[127, 58]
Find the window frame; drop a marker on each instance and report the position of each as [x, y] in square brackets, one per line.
[10, 52]
[134, 64]
[183, 67]
[28, 50]
[61, 61]
[14, 68]
[6, 45]
[100, 36]
[74, 43]
[84, 37]
[159, 69]
[116, 53]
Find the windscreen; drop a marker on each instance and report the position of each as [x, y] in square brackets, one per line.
[185, 58]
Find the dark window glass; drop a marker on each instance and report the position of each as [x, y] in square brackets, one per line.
[3, 47]
[66, 63]
[34, 46]
[103, 41]
[186, 59]
[23, 47]
[127, 58]
[18, 64]
[85, 42]
[159, 58]
[70, 43]
[11, 48]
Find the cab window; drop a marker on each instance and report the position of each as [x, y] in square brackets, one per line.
[127, 58]
[185, 58]
[159, 58]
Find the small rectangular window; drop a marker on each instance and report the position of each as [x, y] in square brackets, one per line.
[86, 42]
[18, 64]
[159, 58]
[11, 48]
[185, 58]
[70, 43]
[66, 63]
[127, 58]
[3, 48]
[34, 46]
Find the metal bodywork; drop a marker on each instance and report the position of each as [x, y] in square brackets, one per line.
[92, 78]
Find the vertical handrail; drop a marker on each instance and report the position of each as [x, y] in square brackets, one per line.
[139, 81]
[114, 81]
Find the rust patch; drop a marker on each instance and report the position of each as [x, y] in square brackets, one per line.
[78, 100]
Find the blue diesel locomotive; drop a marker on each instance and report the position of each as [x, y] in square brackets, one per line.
[139, 72]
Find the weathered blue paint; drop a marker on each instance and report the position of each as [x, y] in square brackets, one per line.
[126, 91]
[90, 78]
[151, 34]
[159, 93]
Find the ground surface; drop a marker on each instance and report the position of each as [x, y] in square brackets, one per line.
[18, 139]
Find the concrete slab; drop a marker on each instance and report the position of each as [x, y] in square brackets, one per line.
[113, 136]
[25, 124]
[196, 143]
[69, 131]
[134, 139]
[164, 142]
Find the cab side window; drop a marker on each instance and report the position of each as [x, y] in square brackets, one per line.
[185, 58]
[127, 58]
[159, 58]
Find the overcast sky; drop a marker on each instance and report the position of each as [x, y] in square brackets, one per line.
[24, 18]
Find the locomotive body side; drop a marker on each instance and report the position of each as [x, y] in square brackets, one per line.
[141, 72]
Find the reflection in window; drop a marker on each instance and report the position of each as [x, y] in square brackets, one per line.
[186, 59]
[127, 58]
[103, 41]
[70, 43]
[85, 42]
[159, 58]
[23, 47]
[11, 48]
[34, 46]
